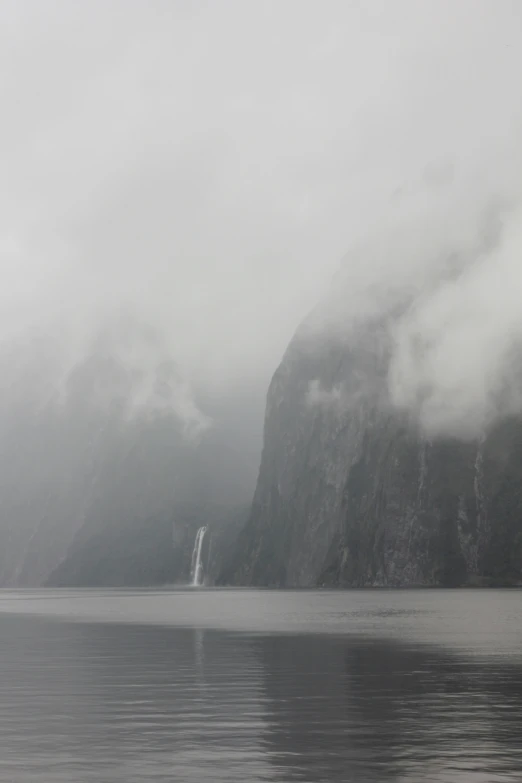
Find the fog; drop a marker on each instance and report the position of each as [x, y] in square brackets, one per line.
[205, 167]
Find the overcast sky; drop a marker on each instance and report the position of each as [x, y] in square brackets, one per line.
[210, 163]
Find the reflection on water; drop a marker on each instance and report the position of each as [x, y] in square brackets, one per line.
[124, 701]
[127, 703]
[359, 710]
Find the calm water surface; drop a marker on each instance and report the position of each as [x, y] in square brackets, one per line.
[197, 685]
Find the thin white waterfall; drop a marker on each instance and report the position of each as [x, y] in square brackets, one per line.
[197, 565]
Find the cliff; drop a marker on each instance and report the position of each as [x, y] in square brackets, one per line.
[106, 479]
[136, 550]
[351, 494]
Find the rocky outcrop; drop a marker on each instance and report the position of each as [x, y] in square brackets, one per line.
[350, 493]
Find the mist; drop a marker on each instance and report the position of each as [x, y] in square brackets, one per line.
[203, 168]
[442, 285]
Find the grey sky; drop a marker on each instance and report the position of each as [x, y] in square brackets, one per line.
[209, 163]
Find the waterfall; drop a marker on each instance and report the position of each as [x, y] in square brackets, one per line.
[197, 565]
[478, 485]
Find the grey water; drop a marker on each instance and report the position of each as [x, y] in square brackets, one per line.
[240, 685]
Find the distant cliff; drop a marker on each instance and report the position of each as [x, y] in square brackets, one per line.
[351, 494]
[105, 478]
[141, 551]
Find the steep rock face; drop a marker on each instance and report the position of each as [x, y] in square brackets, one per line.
[141, 550]
[95, 468]
[350, 494]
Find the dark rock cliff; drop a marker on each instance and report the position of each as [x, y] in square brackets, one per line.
[350, 493]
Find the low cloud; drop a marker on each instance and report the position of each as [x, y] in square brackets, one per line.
[457, 350]
[327, 398]
[442, 288]
[205, 166]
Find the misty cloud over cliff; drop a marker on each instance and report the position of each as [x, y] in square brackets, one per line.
[457, 357]
[204, 166]
[444, 289]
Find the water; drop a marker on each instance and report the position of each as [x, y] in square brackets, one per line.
[184, 685]
[197, 565]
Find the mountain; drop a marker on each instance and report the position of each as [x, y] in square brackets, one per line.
[111, 463]
[140, 550]
[350, 493]
[109, 459]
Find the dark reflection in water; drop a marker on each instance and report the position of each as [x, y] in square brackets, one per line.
[128, 702]
[362, 710]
